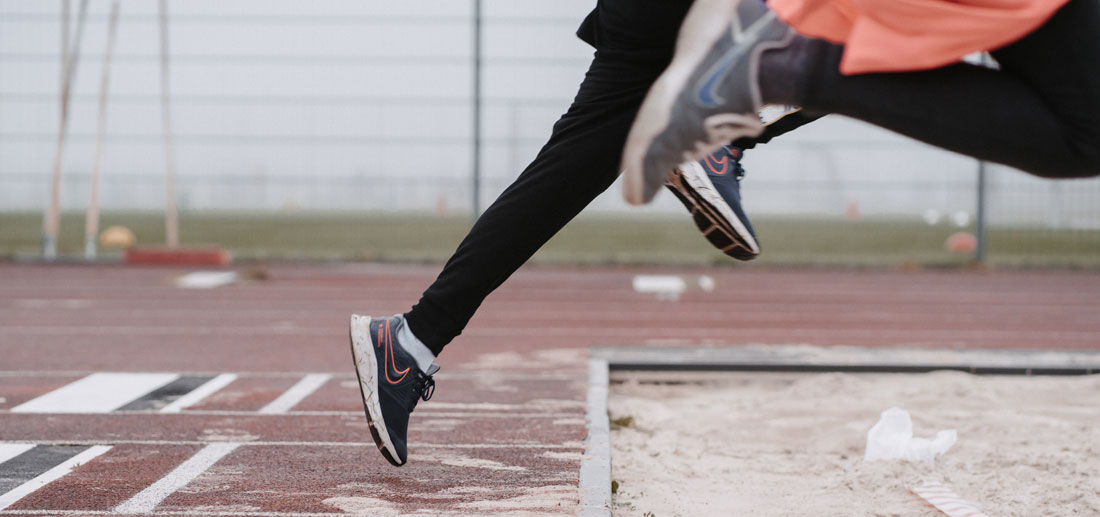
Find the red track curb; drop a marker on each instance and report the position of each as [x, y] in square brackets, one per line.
[207, 256]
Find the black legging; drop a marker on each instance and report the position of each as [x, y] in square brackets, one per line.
[1040, 112]
[634, 41]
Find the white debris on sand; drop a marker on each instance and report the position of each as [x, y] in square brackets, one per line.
[793, 444]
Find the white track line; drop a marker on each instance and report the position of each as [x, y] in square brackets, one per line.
[451, 375]
[208, 388]
[595, 473]
[58, 471]
[337, 413]
[11, 450]
[296, 393]
[96, 393]
[148, 499]
[572, 445]
[182, 513]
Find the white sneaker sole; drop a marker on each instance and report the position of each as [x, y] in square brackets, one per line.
[697, 180]
[366, 369]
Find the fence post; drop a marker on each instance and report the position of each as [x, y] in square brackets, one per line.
[979, 231]
[979, 250]
[476, 151]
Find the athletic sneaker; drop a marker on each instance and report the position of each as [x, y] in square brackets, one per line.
[709, 94]
[389, 380]
[710, 189]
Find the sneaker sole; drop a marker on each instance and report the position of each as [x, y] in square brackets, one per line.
[703, 29]
[711, 214]
[366, 370]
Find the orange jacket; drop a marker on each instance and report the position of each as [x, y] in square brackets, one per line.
[904, 35]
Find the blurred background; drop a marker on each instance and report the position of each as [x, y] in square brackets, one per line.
[344, 130]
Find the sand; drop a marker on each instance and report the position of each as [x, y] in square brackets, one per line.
[793, 444]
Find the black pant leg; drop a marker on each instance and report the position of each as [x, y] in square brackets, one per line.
[579, 162]
[1040, 113]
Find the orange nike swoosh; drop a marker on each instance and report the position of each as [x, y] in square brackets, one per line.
[386, 336]
[724, 162]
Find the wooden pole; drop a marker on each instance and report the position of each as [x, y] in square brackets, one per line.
[171, 217]
[91, 220]
[51, 223]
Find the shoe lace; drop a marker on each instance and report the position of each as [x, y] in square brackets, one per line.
[427, 383]
[427, 389]
[736, 153]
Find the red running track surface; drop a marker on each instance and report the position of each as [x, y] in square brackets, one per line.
[505, 430]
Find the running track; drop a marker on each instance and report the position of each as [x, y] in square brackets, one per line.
[270, 421]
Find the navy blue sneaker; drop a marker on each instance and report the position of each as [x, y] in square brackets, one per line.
[389, 380]
[708, 95]
[711, 190]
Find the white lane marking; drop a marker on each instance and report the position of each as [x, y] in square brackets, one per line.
[183, 513]
[337, 413]
[208, 388]
[206, 279]
[45, 478]
[595, 473]
[96, 393]
[11, 450]
[296, 393]
[525, 445]
[148, 499]
[453, 375]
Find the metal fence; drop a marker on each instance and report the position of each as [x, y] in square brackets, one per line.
[367, 105]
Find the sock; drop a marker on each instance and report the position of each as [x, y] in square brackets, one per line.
[418, 350]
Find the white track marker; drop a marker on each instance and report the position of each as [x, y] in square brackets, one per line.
[206, 279]
[11, 450]
[96, 393]
[209, 388]
[666, 287]
[296, 393]
[148, 499]
[947, 501]
[45, 478]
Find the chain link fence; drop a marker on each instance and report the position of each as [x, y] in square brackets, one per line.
[287, 107]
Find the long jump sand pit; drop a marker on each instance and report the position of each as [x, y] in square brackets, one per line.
[793, 443]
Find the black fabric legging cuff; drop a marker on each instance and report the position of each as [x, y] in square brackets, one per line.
[1040, 112]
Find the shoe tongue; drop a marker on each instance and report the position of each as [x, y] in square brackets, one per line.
[432, 369]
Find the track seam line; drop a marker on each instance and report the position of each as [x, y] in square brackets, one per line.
[305, 444]
[316, 414]
[212, 513]
[57, 472]
[148, 499]
[298, 392]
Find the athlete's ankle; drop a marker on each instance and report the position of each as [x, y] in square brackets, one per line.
[416, 348]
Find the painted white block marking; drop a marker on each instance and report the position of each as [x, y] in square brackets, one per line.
[11, 450]
[45, 478]
[196, 395]
[666, 287]
[296, 393]
[148, 499]
[206, 279]
[96, 393]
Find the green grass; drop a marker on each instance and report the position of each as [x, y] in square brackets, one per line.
[588, 240]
